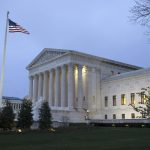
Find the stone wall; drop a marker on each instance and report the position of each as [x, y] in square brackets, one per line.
[126, 83]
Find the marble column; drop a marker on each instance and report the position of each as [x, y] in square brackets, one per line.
[63, 85]
[35, 88]
[98, 85]
[85, 87]
[45, 83]
[92, 88]
[40, 86]
[89, 84]
[70, 86]
[31, 87]
[57, 87]
[80, 87]
[51, 88]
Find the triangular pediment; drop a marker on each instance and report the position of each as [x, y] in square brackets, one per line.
[45, 56]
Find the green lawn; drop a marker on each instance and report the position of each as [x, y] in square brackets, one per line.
[96, 138]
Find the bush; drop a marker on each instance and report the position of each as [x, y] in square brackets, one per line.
[45, 116]
[25, 115]
[7, 117]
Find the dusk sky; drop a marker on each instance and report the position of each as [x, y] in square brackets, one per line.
[97, 27]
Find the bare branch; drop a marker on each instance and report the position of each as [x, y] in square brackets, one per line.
[141, 12]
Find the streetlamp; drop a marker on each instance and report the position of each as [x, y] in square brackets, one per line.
[87, 116]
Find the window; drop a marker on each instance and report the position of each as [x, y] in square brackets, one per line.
[132, 98]
[106, 101]
[123, 116]
[123, 99]
[133, 115]
[142, 98]
[114, 100]
[114, 116]
[105, 116]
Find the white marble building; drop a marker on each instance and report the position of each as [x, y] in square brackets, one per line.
[15, 103]
[80, 86]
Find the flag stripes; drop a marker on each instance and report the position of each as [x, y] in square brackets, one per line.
[14, 27]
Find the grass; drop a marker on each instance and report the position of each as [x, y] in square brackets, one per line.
[96, 138]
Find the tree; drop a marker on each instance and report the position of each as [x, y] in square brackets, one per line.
[7, 117]
[25, 115]
[141, 12]
[144, 106]
[45, 116]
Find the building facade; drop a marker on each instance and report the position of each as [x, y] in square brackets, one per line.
[15, 103]
[78, 86]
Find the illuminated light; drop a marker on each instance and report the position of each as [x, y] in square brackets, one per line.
[144, 99]
[87, 111]
[76, 72]
[113, 125]
[142, 125]
[84, 69]
[126, 125]
[84, 73]
[125, 101]
[51, 130]
[19, 130]
[134, 102]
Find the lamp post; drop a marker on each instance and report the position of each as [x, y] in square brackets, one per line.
[87, 116]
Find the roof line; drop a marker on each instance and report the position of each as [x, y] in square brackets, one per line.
[128, 74]
[105, 60]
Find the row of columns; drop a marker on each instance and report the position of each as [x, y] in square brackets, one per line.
[62, 86]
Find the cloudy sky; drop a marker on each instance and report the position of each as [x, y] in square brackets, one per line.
[98, 27]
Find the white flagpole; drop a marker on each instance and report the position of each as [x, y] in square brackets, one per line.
[3, 62]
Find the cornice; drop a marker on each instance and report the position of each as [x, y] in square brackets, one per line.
[93, 58]
[126, 75]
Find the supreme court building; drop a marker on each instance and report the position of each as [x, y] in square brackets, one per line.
[80, 86]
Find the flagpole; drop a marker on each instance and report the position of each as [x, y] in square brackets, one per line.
[3, 61]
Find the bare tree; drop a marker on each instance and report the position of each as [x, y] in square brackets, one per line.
[141, 12]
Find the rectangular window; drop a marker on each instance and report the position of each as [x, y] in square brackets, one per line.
[123, 99]
[114, 100]
[132, 98]
[105, 116]
[142, 98]
[133, 115]
[114, 116]
[123, 116]
[106, 101]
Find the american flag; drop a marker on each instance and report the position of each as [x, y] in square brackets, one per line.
[14, 27]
